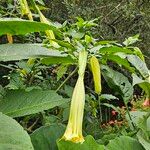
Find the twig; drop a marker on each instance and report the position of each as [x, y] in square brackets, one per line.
[111, 12]
[30, 128]
[72, 73]
[129, 116]
[8, 67]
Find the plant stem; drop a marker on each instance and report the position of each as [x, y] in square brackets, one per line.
[129, 116]
[100, 113]
[7, 67]
[100, 110]
[34, 123]
[72, 73]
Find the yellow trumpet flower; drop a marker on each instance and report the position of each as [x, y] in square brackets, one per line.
[74, 128]
[95, 67]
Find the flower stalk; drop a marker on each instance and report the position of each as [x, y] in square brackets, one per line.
[74, 128]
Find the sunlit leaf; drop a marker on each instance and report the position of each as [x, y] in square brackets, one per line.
[20, 103]
[10, 52]
[139, 65]
[15, 26]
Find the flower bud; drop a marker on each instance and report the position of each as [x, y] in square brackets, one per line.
[95, 67]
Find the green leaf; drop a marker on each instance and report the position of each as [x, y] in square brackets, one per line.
[65, 44]
[58, 60]
[136, 115]
[20, 103]
[139, 65]
[15, 81]
[45, 137]
[107, 96]
[105, 42]
[124, 143]
[61, 70]
[10, 52]
[115, 49]
[111, 106]
[15, 26]
[144, 125]
[106, 138]
[120, 61]
[142, 121]
[118, 82]
[145, 143]
[88, 144]
[40, 2]
[88, 39]
[144, 84]
[139, 53]
[12, 135]
[131, 40]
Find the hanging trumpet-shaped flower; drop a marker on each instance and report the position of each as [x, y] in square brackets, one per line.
[74, 128]
[95, 67]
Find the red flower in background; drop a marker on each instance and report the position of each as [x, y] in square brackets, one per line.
[111, 122]
[114, 113]
[146, 103]
[133, 109]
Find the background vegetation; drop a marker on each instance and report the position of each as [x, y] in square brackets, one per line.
[39, 73]
[118, 19]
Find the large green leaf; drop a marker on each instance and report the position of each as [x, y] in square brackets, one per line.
[20, 103]
[136, 115]
[118, 82]
[115, 49]
[88, 144]
[120, 61]
[124, 143]
[58, 60]
[144, 84]
[45, 137]
[12, 135]
[139, 65]
[10, 52]
[15, 26]
[145, 143]
[142, 121]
